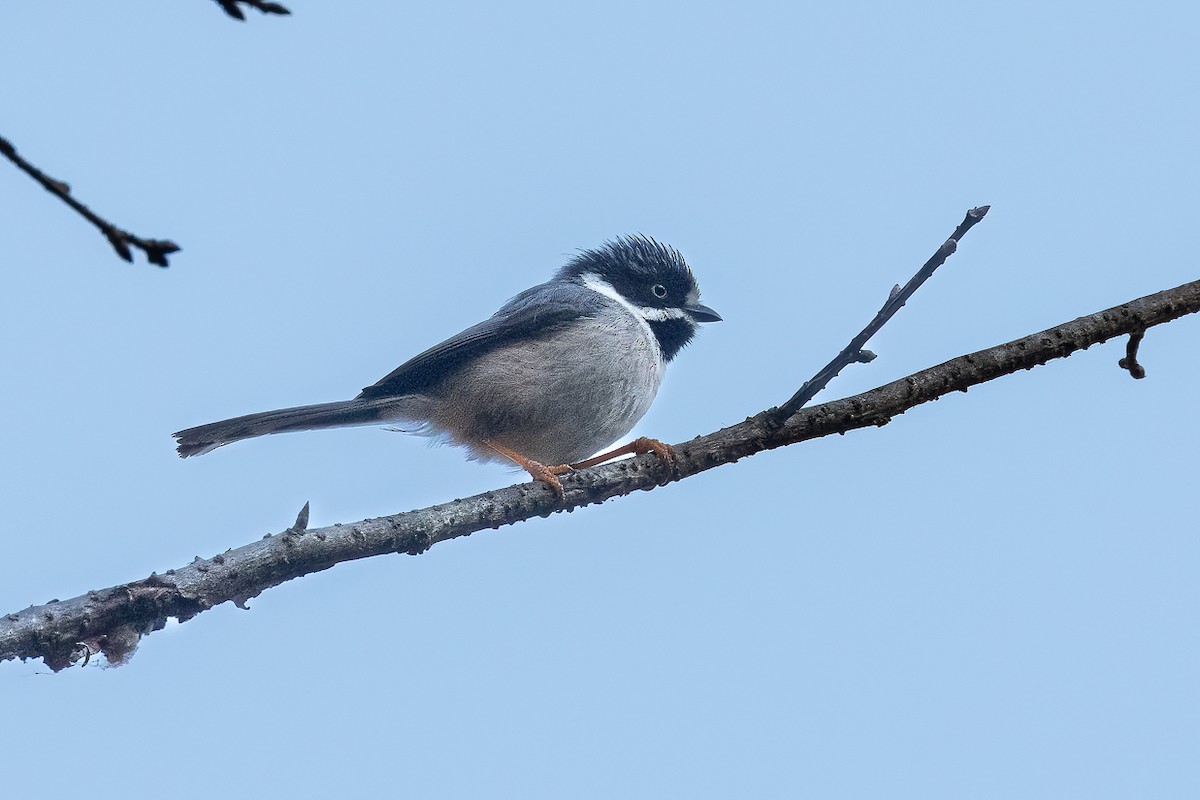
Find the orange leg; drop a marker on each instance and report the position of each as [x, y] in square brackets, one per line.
[538, 470]
[549, 475]
[642, 444]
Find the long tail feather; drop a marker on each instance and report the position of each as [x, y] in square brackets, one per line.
[206, 438]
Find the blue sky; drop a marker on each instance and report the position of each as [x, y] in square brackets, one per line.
[993, 596]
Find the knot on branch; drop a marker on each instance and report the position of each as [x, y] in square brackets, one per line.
[1130, 362]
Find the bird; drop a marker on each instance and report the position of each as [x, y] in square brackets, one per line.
[559, 372]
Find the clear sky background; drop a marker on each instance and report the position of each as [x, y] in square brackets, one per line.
[994, 596]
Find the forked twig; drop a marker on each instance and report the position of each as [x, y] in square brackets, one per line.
[230, 7]
[854, 353]
[156, 250]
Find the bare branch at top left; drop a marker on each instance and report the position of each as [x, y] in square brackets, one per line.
[156, 250]
[230, 7]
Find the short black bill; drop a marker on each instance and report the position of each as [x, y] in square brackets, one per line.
[702, 313]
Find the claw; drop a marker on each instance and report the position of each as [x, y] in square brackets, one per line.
[536, 469]
[640, 445]
[547, 475]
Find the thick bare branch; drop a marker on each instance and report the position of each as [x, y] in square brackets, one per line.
[111, 621]
[156, 250]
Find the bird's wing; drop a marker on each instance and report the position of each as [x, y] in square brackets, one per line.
[534, 312]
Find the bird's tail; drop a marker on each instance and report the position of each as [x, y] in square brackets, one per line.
[206, 438]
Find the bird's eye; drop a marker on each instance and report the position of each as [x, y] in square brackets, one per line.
[659, 290]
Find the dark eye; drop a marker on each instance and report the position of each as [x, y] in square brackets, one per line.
[659, 290]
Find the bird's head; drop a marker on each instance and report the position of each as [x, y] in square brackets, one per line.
[650, 279]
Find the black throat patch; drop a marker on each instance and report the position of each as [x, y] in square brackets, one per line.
[672, 334]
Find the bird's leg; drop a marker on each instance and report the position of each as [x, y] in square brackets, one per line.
[538, 470]
[549, 475]
[642, 444]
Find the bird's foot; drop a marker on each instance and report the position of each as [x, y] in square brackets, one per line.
[640, 445]
[537, 470]
[548, 475]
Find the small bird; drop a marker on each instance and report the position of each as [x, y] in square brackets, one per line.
[559, 372]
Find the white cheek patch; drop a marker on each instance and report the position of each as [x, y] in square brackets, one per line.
[600, 286]
[660, 314]
[645, 313]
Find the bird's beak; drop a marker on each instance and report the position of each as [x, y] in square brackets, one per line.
[702, 313]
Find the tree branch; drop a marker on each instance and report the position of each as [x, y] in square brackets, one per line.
[230, 7]
[111, 621]
[156, 250]
[853, 353]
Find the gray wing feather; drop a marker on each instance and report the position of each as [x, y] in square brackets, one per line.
[534, 312]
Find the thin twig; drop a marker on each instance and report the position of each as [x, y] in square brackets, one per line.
[156, 250]
[1130, 362]
[231, 8]
[111, 621]
[853, 353]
